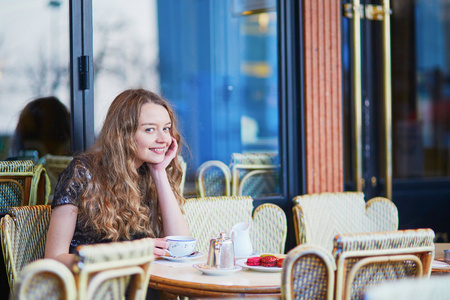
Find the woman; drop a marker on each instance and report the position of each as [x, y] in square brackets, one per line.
[126, 186]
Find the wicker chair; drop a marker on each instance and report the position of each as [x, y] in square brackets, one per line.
[308, 273]
[366, 259]
[23, 235]
[213, 179]
[105, 270]
[45, 279]
[207, 217]
[360, 260]
[102, 271]
[254, 174]
[318, 218]
[269, 229]
[22, 183]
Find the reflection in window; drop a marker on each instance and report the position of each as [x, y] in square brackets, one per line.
[34, 60]
[216, 65]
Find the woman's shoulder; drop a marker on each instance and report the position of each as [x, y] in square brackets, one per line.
[72, 181]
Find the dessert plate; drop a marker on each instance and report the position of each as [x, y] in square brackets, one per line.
[243, 263]
[194, 255]
[214, 271]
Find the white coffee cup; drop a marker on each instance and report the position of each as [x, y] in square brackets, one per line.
[180, 245]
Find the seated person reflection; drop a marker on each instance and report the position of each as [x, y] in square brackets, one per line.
[43, 126]
[126, 186]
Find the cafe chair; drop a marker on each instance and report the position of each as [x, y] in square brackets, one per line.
[102, 271]
[308, 273]
[22, 183]
[23, 234]
[208, 217]
[45, 279]
[318, 218]
[213, 179]
[254, 174]
[105, 270]
[434, 288]
[366, 259]
[269, 229]
[258, 183]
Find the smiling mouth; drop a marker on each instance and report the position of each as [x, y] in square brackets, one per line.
[157, 150]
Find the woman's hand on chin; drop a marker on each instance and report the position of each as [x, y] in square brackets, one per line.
[169, 156]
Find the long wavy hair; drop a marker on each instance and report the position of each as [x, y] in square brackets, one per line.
[120, 201]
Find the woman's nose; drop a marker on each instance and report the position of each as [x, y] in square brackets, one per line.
[163, 137]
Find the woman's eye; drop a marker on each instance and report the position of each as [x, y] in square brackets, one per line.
[149, 129]
[166, 128]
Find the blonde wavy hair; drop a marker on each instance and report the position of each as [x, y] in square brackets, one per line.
[120, 201]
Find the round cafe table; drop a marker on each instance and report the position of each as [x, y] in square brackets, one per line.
[180, 278]
[438, 268]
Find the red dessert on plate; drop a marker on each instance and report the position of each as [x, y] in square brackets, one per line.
[280, 262]
[269, 261]
[253, 261]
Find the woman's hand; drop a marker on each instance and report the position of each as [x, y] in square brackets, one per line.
[170, 155]
[160, 247]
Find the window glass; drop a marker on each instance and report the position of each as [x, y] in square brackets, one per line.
[215, 61]
[34, 60]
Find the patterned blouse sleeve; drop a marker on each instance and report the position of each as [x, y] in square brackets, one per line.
[71, 184]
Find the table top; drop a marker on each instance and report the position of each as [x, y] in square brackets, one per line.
[439, 267]
[183, 279]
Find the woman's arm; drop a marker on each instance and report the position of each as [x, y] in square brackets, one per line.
[60, 233]
[172, 217]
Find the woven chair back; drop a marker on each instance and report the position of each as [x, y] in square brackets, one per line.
[45, 279]
[367, 259]
[208, 217]
[269, 229]
[318, 218]
[113, 270]
[23, 237]
[257, 172]
[308, 273]
[213, 179]
[22, 183]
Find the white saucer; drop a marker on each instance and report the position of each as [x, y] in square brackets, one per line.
[243, 263]
[214, 271]
[194, 255]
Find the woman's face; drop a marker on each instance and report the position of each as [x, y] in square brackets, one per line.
[153, 136]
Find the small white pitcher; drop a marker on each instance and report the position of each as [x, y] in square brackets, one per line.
[240, 233]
